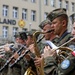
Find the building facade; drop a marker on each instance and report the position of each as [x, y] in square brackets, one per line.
[30, 13]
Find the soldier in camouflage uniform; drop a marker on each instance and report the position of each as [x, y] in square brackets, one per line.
[30, 40]
[46, 26]
[59, 21]
[50, 36]
[67, 66]
[30, 46]
[16, 69]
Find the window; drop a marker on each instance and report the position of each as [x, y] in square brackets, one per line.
[67, 6]
[33, 1]
[15, 12]
[15, 29]
[73, 7]
[46, 2]
[24, 14]
[53, 3]
[45, 15]
[5, 10]
[5, 31]
[60, 3]
[33, 15]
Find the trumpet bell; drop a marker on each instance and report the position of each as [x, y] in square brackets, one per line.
[65, 48]
[63, 53]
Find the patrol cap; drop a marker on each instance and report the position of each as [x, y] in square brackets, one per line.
[22, 35]
[43, 23]
[56, 13]
[16, 35]
[30, 33]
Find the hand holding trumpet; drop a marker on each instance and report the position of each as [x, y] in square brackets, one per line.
[48, 52]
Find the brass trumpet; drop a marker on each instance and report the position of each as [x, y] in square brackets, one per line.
[62, 51]
[1, 47]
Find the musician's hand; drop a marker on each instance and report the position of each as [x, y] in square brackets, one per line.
[27, 56]
[1, 56]
[48, 52]
[6, 48]
[15, 55]
[31, 48]
[38, 61]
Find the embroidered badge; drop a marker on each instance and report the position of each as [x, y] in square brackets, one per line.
[65, 64]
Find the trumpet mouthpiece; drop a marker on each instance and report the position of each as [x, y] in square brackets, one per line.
[49, 31]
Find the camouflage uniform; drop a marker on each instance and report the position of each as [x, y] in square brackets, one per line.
[67, 66]
[3, 61]
[50, 67]
[17, 68]
[64, 38]
[52, 64]
[42, 25]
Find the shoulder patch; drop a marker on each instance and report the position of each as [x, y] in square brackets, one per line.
[65, 64]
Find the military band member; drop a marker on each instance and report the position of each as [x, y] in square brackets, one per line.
[67, 66]
[46, 26]
[16, 69]
[59, 22]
